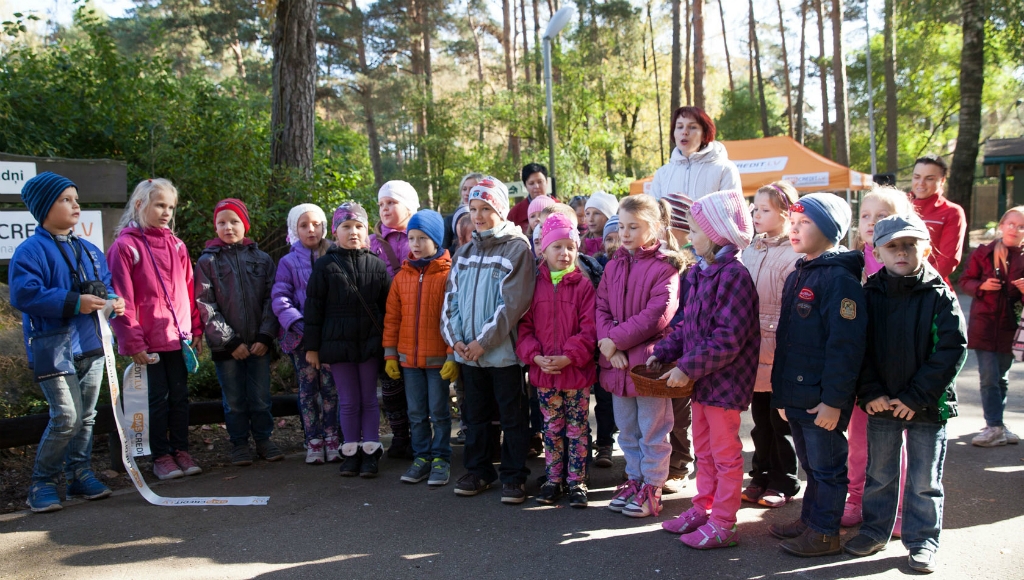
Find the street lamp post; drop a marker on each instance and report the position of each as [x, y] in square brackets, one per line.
[555, 25]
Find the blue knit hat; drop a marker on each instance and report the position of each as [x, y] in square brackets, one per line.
[612, 225]
[429, 222]
[40, 193]
[829, 212]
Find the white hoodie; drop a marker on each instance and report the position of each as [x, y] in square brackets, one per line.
[706, 171]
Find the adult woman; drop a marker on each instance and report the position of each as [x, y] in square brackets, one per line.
[699, 164]
[468, 181]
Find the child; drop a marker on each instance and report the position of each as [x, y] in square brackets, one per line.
[578, 203]
[396, 202]
[57, 280]
[609, 240]
[150, 267]
[413, 347]
[770, 259]
[599, 209]
[536, 206]
[345, 302]
[233, 286]
[915, 349]
[818, 352]
[489, 289]
[716, 345]
[637, 297]
[557, 336]
[995, 279]
[318, 399]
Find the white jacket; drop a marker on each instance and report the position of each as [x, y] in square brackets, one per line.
[706, 171]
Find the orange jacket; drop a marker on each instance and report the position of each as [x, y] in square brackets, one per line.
[412, 319]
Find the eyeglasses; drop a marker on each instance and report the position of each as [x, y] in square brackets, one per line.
[1020, 228]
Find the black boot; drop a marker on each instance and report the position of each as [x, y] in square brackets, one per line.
[350, 464]
[370, 460]
[400, 449]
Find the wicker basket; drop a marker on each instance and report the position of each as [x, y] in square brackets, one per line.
[648, 384]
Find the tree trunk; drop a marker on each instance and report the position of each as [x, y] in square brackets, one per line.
[765, 130]
[892, 153]
[294, 85]
[367, 98]
[677, 58]
[526, 42]
[725, 42]
[506, 44]
[657, 89]
[826, 125]
[479, 70]
[428, 96]
[803, 74]
[686, 55]
[698, 53]
[536, 41]
[839, 73]
[785, 69]
[972, 81]
[750, 61]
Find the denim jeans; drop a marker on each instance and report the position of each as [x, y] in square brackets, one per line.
[429, 406]
[501, 389]
[168, 404]
[993, 368]
[67, 441]
[245, 385]
[923, 498]
[822, 454]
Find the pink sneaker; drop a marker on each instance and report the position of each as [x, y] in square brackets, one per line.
[851, 515]
[164, 467]
[185, 462]
[332, 449]
[710, 536]
[686, 522]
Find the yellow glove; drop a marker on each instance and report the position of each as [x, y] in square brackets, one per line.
[450, 371]
[392, 369]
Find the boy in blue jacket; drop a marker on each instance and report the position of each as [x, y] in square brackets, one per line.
[58, 281]
[818, 354]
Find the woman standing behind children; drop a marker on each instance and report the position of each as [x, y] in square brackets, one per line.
[995, 279]
[637, 297]
[233, 286]
[151, 269]
[557, 338]
[716, 346]
[413, 347]
[599, 209]
[346, 296]
[770, 259]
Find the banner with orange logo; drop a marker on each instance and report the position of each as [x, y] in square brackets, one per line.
[135, 397]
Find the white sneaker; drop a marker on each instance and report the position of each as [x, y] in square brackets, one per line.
[315, 452]
[990, 437]
[646, 502]
[1011, 437]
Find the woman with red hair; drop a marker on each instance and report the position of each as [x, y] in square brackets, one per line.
[699, 164]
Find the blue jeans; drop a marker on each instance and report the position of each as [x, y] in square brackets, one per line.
[822, 454]
[923, 499]
[67, 441]
[245, 388]
[427, 395]
[993, 368]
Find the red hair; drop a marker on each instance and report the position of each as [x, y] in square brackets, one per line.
[697, 114]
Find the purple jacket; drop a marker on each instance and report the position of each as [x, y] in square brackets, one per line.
[288, 295]
[637, 297]
[717, 343]
[397, 239]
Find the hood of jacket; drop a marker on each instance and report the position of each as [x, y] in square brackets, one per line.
[503, 233]
[853, 262]
[926, 279]
[713, 152]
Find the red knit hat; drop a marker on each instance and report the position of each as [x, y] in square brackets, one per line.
[235, 205]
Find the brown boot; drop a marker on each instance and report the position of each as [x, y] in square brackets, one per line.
[811, 543]
[787, 530]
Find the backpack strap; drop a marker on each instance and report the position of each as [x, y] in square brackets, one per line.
[396, 264]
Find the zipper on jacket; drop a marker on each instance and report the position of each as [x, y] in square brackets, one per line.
[416, 325]
[241, 292]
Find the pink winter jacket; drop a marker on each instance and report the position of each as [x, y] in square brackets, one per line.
[147, 324]
[560, 321]
[637, 297]
[769, 261]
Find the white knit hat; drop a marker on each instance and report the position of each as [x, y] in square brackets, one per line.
[401, 191]
[492, 192]
[605, 203]
[725, 218]
[293, 219]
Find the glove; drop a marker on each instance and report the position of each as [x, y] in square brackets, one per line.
[392, 369]
[450, 371]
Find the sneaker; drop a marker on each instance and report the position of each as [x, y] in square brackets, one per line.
[400, 449]
[513, 493]
[852, 515]
[604, 456]
[788, 530]
[897, 528]
[417, 472]
[990, 437]
[440, 472]
[686, 522]
[646, 502]
[676, 481]
[471, 484]
[578, 496]
[42, 498]
[164, 467]
[550, 492]
[86, 486]
[921, 560]
[1011, 438]
[536, 448]
[623, 495]
[368, 468]
[186, 463]
[351, 459]
[269, 450]
[460, 437]
[332, 450]
[752, 493]
[811, 544]
[240, 455]
[774, 498]
[862, 545]
[710, 536]
[315, 452]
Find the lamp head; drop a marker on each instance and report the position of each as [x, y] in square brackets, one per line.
[558, 22]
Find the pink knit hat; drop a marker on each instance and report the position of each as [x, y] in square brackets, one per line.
[725, 218]
[557, 227]
[538, 204]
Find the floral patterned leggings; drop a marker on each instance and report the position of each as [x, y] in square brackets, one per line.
[566, 432]
[318, 399]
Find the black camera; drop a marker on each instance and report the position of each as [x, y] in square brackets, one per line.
[93, 288]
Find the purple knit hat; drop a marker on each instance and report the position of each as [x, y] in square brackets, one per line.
[725, 218]
[349, 210]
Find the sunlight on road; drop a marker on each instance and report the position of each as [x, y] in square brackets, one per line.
[612, 533]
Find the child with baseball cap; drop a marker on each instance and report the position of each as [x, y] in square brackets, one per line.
[917, 343]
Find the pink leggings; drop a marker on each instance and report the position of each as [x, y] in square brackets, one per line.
[719, 451]
[857, 463]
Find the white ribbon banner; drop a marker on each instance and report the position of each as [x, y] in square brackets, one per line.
[136, 406]
[126, 451]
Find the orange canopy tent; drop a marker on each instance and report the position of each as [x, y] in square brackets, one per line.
[762, 161]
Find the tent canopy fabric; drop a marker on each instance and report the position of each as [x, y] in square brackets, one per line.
[762, 161]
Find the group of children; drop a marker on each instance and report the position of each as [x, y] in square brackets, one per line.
[758, 307]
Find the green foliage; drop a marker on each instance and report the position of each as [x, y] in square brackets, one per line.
[741, 114]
